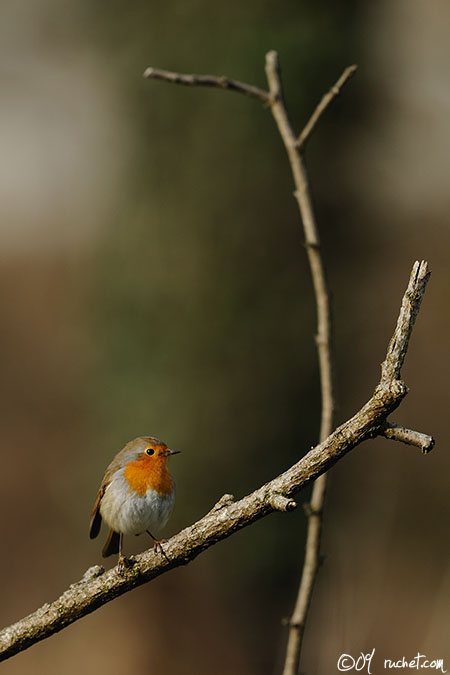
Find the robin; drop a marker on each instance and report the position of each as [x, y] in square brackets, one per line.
[136, 495]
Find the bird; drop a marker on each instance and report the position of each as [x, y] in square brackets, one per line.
[136, 495]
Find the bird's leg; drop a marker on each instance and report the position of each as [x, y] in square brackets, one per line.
[158, 544]
[123, 562]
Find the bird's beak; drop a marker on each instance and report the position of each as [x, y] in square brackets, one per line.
[173, 452]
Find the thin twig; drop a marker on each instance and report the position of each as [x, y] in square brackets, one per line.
[222, 82]
[312, 242]
[98, 587]
[323, 339]
[326, 101]
[395, 432]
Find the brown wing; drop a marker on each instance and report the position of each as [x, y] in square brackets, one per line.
[96, 519]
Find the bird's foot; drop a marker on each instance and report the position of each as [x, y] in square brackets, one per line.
[123, 564]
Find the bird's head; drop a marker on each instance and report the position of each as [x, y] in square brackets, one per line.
[145, 461]
[148, 451]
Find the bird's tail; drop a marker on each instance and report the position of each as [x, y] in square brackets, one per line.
[112, 544]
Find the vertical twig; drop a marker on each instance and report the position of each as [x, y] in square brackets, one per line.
[294, 147]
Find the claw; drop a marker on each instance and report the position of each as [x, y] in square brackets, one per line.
[159, 549]
[123, 564]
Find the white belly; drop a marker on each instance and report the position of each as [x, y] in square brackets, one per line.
[130, 513]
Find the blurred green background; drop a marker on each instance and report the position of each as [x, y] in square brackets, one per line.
[154, 281]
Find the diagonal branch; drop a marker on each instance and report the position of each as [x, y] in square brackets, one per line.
[98, 587]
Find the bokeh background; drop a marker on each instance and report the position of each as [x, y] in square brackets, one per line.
[153, 281]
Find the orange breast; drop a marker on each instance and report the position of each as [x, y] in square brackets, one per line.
[149, 473]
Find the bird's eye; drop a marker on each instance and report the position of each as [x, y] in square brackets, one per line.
[150, 451]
